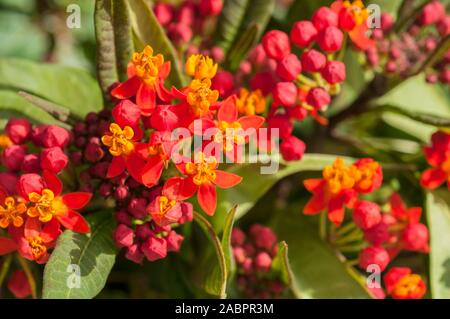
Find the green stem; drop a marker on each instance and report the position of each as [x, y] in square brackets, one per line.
[24, 264]
[5, 267]
[323, 225]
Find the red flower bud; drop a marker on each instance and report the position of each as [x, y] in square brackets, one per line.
[303, 33]
[258, 55]
[324, 17]
[334, 72]
[29, 183]
[263, 236]
[13, 157]
[289, 67]
[285, 94]
[444, 77]
[187, 212]
[237, 237]
[37, 134]
[8, 182]
[239, 255]
[263, 262]
[154, 248]
[134, 254]
[123, 236]
[126, 113]
[18, 130]
[263, 81]
[31, 163]
[346, 20]
[282, 123]
[54, 159]
[443, 26]
[163, 12]
[318, 98]
[292, 149]
[121, 193]
[123, 217]
[210, 7]
[137, 207]
[179, 32]
[174, 241]
[366, 214]
[374, 255]
[186, 13]
[313, 61]
[93, 152]
[387, 21]
[276, 44]
[164, 118]
[54, 135]
[432, 13]
[217, 54]
[330, 39]
[18, 284]
[223, 82]
[415, 237]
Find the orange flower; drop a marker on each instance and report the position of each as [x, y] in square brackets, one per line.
[401, 283]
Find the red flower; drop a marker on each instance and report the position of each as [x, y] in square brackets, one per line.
[47, 204]
[18, 284]
[352, 17]
[146, 75]
[203, 177]
[401, 283]
[438, 156]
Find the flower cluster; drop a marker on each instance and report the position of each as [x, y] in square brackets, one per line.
[401, 53]
[340, 186]
[253, 254]
[438, 156]
[32, 205]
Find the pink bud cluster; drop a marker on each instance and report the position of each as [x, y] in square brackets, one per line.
[401, 53]
[32, 149]
[389, 232]
[254, 253]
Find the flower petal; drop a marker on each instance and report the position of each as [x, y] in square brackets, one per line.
[151, 172]
[226, 180]
[146, 99]
[228, 111]
[251, 121]
[76, 200]
[135, 164]
[116, 167]
[316, 204]
[126, 89]
[50, 231]
[179, 188]
[74, 221]
[32, 227]
[432, 178]
[207, 198]
[53, 182]
[7, 245]
[336, 210]
[313, 185]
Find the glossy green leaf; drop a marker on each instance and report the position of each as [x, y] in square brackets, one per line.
[281, 264]
[226, 242]
[212, 273]
[318, 270]
[66, 86]
[149, 32]
[93, 255]
[438, 216]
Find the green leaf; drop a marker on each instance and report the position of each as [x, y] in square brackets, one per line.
[226, 242]
[114, 41]
[242, 46]
[238, 16]
[438, 216]
[65, 86]
[319, 273]
[149, 32]
[425, 118]
[93, 253]
[13, 105]
[254, 184]
[281, 264]
[213, 274]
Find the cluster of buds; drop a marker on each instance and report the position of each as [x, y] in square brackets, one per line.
[438, 156]
[254, 254]
[400, 53]
[32, 206]
[389, 232]
[340, 187]
[185, 20]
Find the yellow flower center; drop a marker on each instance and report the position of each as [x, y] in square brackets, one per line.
[38, 248]
[202, 169]
[250, 103]
[340, 177]
[146, 65]
[46, 205]
[165, 204]
[367, 175]
[407, 286]
[201, 67]
[5, 141]
[119, 141]
[200, 96]
[230, 134]
[10, 213]
[358, 10]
